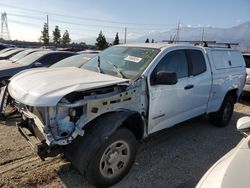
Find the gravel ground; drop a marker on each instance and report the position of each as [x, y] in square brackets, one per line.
[176, 157]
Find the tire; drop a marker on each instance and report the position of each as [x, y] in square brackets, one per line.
[222, 117]
[113, 160]
[7, 110]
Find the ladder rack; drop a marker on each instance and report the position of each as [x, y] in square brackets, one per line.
[204, 43]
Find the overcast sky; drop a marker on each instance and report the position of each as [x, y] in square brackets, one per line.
[85, 18]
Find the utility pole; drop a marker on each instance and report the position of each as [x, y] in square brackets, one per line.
[178, 32]
[48, 24]
[125, 37]
[202, 34]
[4, 27]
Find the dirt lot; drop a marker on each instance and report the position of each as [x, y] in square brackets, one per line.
[176, 157]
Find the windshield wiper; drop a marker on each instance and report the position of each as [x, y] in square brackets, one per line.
[117, 70]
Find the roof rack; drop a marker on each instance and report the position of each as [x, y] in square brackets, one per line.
[204, 43]
[226, 44]
[195, 42]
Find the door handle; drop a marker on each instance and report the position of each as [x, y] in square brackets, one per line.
[189, 86]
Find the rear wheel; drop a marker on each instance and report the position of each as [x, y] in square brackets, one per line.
[222, 117]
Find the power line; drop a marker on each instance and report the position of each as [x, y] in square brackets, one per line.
[64, 28]
[24, 23]
[82, 18]
[84, 24]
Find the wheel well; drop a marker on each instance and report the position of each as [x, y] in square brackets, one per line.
[233, 93]
[127, 119]
[135, 124]
[3, 79]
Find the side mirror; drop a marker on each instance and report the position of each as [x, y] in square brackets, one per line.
[243, 125]
[38, 64]
[165, 78]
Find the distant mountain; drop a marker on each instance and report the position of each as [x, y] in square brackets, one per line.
[239, 34]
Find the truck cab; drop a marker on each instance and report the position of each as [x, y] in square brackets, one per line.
[95, 114]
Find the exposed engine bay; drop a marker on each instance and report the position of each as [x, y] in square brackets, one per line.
[61, 124]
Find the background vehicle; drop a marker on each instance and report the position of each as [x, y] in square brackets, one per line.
[3, 46]
[19, 55]
[233, 169]
[95, 114]
[10, 53]
[43, 58]
[74, 61]
[246, 88]
[6, 105]
[5, 50]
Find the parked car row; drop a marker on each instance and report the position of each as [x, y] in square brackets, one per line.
[95, 112]
[10, 53]
[34, 58]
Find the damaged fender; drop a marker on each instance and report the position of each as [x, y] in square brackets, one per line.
[97, 132]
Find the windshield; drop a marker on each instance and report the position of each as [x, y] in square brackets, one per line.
[247, 60]
[127, 62]
[74, 61]
[20, 55]
[31, 58]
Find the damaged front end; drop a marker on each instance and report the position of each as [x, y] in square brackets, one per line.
[54, 127]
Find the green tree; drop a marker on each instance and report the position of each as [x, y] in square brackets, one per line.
[57, 35]
[117, 40]
[101, 42]
[66, 38]
[45, 34]
[147, 40]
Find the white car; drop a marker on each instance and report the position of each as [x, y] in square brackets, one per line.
[233, 169]
[95, 114]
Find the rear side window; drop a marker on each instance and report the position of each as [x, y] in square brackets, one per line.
[198, 62]
[247, 60]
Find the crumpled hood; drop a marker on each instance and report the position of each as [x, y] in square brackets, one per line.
[45, 87]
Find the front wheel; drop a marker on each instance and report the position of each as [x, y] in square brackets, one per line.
[113, 160]
[222, 117]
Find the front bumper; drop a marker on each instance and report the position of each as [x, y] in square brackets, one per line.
[37, 141]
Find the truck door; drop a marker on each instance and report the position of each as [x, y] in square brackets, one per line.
[169, 104]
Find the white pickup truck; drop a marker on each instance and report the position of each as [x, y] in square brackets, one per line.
[95, 114]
